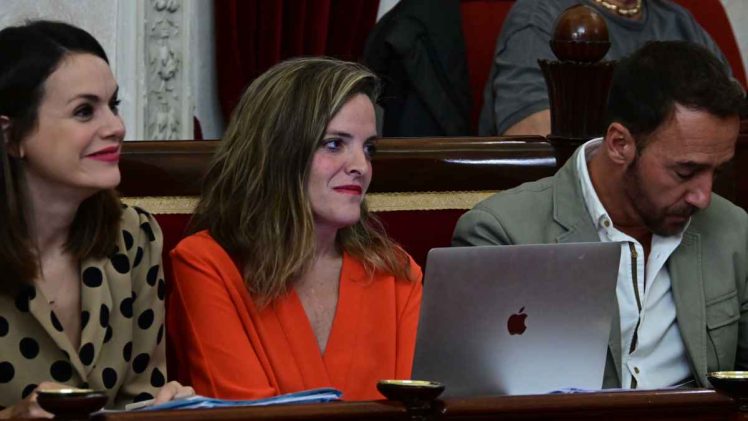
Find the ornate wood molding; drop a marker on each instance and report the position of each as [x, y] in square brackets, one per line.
[168, 91]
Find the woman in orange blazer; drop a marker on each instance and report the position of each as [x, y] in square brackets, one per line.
[289, 283]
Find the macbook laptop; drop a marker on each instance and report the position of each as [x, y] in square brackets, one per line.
[516, 320]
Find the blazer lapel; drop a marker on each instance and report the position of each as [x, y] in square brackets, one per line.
[688, 293]
[570, 211]
[40, 309]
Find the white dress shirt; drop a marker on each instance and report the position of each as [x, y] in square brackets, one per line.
[652, 350]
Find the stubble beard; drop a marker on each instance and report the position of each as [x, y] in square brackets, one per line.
[655, 220]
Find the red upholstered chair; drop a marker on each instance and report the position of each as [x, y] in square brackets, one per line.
[712, 16]
[481, 24]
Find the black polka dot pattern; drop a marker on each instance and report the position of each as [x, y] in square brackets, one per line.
[23, 298]
[92, 277]
[109, 377]
[152, 276]
[7, 372]
[161, 289]
[146, 319]
[22, 303]
[61, 371]
[142, 397]
[113, 323]
[104, 316]
[86, 353]
[128, 239]
[85, 316]
[29, 348]
[127, 351]
[157, 378]
[55, 321]
[125, 307]
[140, 363]
[120, 263]
[28, 390]
[146, 227]
[138, 257]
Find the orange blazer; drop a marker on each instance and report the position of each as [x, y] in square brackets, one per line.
[228, 348]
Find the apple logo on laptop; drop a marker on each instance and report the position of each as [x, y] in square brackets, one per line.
[516, 323]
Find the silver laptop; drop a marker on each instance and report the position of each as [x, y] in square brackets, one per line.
[516, 319]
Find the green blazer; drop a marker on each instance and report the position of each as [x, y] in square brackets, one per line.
[708, 269]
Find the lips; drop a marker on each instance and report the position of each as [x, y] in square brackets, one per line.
[352, 189]
[110, 154]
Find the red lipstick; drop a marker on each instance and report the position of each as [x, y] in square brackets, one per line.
[110, 154]
[353, 189]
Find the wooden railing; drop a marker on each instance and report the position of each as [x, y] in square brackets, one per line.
[174, 168]
[695, 404]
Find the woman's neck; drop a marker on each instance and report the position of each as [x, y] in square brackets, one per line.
[326, 246]
[50, 215]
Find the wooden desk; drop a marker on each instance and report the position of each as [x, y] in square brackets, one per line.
[696, 404]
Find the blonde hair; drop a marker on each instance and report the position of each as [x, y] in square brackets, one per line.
[254, 201]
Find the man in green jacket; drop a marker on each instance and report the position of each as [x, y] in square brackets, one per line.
[674, 117]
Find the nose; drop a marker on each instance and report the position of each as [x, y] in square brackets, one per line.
[114, 127]
[358, 162]
[700, 192]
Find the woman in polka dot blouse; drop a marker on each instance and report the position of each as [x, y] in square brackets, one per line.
[81, 285]
[290, 282]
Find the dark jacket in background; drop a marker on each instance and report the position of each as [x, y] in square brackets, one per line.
[419, 52]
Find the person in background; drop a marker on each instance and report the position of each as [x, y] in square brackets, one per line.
[674, 116]
[289, 282]
[81, 286]
[515, 99]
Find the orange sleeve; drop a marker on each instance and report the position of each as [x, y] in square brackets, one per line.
[408, 316]
[210, 329]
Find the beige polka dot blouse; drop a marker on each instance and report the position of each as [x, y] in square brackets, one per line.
[122, 325]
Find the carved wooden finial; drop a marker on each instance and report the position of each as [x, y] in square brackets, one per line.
[580, 34]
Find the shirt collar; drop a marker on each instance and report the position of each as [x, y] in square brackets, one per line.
[594, 207]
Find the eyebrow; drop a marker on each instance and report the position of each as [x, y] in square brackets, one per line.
[348, 135]
[696, 166]
[93, 97]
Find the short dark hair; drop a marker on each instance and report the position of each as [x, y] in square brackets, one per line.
[647, 85]
[29, 54]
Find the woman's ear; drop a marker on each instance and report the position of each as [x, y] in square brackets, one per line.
[14, 149]
[619, 144]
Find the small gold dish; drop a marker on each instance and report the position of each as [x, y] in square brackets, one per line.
[410, 390]
[70, 391]
[731, 383]
[71, 403]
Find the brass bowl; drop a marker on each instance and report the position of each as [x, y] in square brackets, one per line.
[731, 383]
[72, 403]
[410, 390]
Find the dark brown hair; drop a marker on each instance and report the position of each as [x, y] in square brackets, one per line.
[649, 83]
[28, 55]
